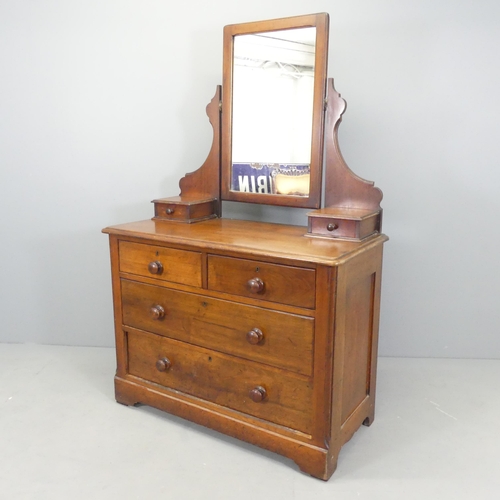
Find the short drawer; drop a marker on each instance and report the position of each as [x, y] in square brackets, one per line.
[272, 395]
[167, 264]
[275, 338]
[274, 282]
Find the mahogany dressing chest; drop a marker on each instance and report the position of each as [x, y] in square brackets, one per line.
[262, 331]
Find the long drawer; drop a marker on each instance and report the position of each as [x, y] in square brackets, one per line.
[262, 280]
[273, 395]
[166, 264]
[275, 338]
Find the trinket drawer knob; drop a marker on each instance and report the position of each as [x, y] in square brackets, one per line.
[157, 312]
[255, 336]
[163, 364]
[258, 394]
[155, 267]
[255, 285]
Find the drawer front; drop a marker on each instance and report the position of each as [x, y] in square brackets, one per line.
[274, 282]
[276, 338]
[167, 264]
[221, 379]
[335, 228]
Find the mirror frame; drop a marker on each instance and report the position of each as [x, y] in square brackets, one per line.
[321, 23]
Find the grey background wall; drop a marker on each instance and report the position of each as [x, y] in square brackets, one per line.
[102, 109]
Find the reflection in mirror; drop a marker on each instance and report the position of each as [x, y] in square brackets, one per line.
[273, 91]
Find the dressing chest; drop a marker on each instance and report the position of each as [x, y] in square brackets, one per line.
[262, 331]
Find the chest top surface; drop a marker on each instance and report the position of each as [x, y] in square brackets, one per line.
[252, 238]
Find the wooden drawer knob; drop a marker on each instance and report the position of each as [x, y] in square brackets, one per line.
[155, 267]
[157, 312]
[169, 211]
[163, 364]
[255, 336]
[256, 285]
[258, 394]
[332, 227]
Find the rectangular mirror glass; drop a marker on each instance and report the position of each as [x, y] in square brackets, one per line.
[273, 89]
[274, 86]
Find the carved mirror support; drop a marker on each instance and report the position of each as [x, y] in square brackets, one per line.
[199, 198]
[352, 204]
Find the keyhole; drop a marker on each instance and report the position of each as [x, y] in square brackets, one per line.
[157, 253]
[257, 269]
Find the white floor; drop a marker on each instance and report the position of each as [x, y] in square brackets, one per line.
[62, 436]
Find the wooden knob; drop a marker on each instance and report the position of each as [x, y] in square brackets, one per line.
[157, 312]
[258, 394]
[170, 211]
[255, 285]
[163, 364]
[155, 267]
[332, 227]
[255, 336]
